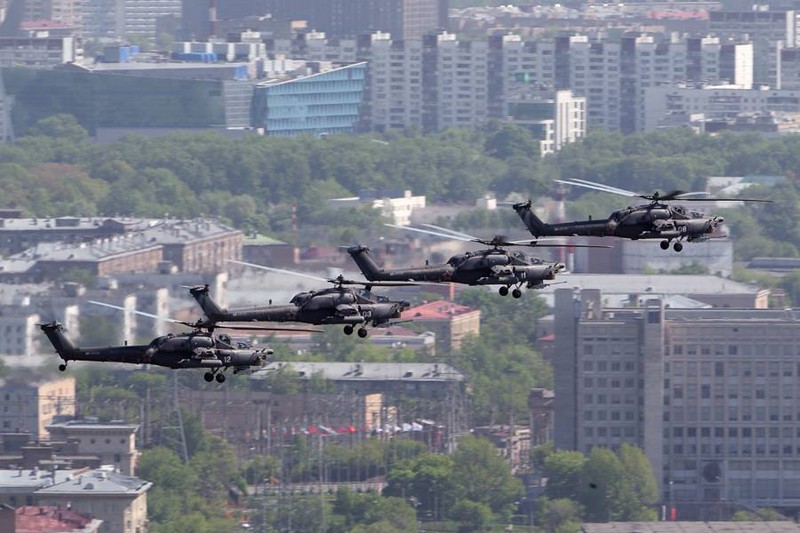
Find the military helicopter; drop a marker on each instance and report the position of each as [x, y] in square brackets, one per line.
[198, 349]
[656, 220]
[340, 304]
[491, 266]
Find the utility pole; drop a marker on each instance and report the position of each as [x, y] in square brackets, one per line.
[172, 434]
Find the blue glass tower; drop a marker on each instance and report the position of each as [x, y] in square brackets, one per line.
[323, 103]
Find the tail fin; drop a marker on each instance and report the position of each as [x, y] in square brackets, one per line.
[55, 334]
[211, 309]
[533, 223]
[365, 262]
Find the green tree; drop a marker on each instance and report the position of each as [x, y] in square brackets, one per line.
[472, 516]
[560, 515]
[639, 478]
[505, 141]
[563, 470]
[602, 491]
[427, 478]
[481, 475]
[60, 127]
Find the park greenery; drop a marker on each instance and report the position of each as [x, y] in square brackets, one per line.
[281, 187]
[601, 487]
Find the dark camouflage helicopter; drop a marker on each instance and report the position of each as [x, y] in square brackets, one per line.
[340, 304]
[198, 349]
[491, 266]
[656, 220]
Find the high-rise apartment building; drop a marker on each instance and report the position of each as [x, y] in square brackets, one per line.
[406, 19]
[770, 30]
[444, 82]
[122, 19]
[711, 395]
[66, 12]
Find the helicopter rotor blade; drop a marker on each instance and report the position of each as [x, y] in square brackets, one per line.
[430, 232]
[540, 244]
[452, 231]
[250, 327]
[279, 270]
[598, 187]
[142, 313]
[339, 280]
[757, 200]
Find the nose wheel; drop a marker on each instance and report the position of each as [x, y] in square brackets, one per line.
[62, 367]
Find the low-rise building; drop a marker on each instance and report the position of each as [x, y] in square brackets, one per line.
[29, 407]
[451, 322]
[46, 519]
[118, 500]
[114, 443]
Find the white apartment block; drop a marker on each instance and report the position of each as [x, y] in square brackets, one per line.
[711, 395]
[768, 30]
[721, 102]
[555, 117]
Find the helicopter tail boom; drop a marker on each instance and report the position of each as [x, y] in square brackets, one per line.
[366, 263]
[535, 225]
[211, 309]
[63, 346]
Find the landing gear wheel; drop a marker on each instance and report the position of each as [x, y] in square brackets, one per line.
[348, 330]
[664, 245]
[503, 291]
[62, 367]
[363, 332]
[677, 247]
[220, 378]
[208, 376]
[516, 293]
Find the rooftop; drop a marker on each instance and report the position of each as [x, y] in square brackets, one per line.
[49, 519]
[35, 478]
[438, 310]
[101, 480]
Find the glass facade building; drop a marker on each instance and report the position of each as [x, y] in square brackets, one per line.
[322, 103]
[108, 100]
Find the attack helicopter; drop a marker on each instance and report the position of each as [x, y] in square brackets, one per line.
[198, 349]
[655, 220]
[490, 266]
[340, 304]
